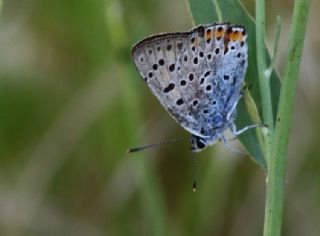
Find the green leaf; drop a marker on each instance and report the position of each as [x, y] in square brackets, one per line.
[209, 11]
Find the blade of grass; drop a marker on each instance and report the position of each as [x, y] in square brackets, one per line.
[150, 192]
[278, 158]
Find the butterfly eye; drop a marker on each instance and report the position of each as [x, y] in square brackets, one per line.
[199, 143]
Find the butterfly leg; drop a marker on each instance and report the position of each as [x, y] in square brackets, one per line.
[236, 132]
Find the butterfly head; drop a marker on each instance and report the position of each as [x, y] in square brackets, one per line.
[198, 143]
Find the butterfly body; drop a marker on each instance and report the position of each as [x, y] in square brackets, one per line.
[196, 76]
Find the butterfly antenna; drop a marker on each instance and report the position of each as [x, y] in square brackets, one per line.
[194, 172]
[155, 145]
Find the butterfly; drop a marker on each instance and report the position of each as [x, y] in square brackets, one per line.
[197, 77]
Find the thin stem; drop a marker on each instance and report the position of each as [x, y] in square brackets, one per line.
[277, 162]
[264, 82]
[275, 49]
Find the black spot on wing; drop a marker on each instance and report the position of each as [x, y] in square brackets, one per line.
[169, 88]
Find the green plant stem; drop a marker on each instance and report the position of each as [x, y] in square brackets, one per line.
[277, 162]
[264, 82]
[275, 49]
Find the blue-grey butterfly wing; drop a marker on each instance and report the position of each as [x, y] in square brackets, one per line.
[195, 75]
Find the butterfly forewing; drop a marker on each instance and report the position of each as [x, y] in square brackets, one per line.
[195, 75]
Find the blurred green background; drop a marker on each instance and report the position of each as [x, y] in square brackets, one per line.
[71, 103]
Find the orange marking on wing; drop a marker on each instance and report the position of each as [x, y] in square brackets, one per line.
[232, 36]
[236, 36]
[208, 35]
[219, 33]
